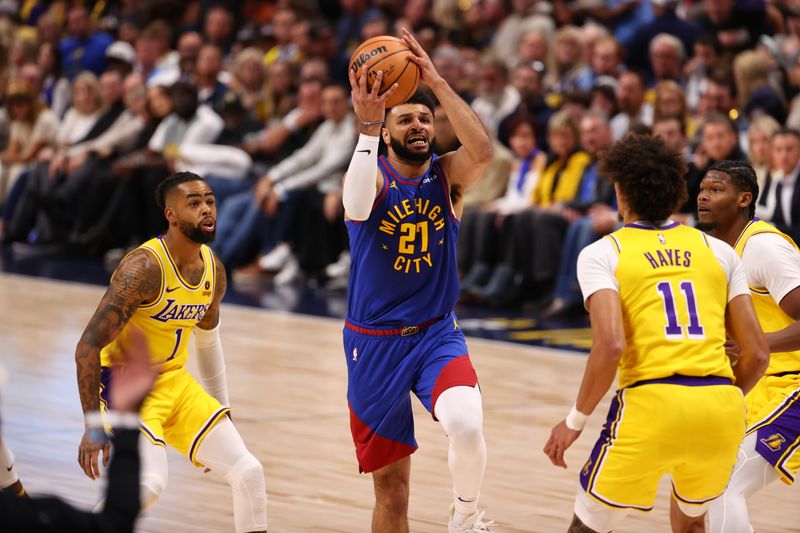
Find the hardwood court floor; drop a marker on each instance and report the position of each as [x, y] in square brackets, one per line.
[287, 386]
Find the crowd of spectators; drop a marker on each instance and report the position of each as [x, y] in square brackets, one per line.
[101, 101]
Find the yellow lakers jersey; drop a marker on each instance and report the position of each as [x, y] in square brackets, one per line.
[770, 314]
[168, 321]
[674, 294]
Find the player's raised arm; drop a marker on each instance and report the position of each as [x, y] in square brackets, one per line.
[137, 280]
[210, 360]
[363, 179]
[466, 165]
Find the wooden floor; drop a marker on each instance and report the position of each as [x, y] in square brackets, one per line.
[286, 377]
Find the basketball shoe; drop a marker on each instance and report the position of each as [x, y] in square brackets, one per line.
[470, 524]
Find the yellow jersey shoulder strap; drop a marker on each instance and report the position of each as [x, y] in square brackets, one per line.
[757, 227]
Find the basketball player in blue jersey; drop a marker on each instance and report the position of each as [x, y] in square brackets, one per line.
[401, 335]
[168, 288]
[659, 296]
[771, 447]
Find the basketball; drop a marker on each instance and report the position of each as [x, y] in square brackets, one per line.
[391, 55]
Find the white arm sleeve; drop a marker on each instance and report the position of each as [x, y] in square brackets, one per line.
[597, 264]
[359, 192]
[211, 364]
[771, 263]
[732, 265]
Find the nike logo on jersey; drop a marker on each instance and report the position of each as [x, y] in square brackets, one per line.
[364, 151]
[172, 289]
[10, 467]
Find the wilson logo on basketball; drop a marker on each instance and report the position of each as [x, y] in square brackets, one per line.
[363, 57]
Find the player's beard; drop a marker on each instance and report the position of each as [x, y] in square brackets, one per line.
[399, 147]
[196, 233]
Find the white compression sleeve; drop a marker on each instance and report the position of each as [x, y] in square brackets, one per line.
[359, 183]
[224, 452]
[211, 364]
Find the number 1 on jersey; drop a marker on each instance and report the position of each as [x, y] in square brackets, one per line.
[673, 329]
[178, 335]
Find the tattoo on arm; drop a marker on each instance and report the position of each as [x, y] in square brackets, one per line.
[211, 319]
[137, 280]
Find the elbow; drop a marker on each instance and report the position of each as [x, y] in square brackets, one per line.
[761, 358]
[612, 350]
[356, 212]
[485, 154]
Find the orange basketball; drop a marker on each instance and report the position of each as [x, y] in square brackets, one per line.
[391, 55]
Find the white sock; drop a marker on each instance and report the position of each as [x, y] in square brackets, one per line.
[8, 474]
[460, 412]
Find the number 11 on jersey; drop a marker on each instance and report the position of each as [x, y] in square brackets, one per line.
[673, 330]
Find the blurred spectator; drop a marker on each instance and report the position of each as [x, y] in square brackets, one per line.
[55, 87]
[447, 60]
[666, 21]
[284, 50]
[534, 48]
[706, 59]
[120, 56]
[155, 60]
[670, 101]
[250, 82]
[85, 48]
[607, 59]
[633, 108]
[525, 17]
[591, 33]
[496, 98]
[218, 28]
[528, 83]
[759, 142]
[756, 93]
[355, 14]
[719, 140]
[570, 73]
[737, 25]
[596, 202]
[317, 164]
[488, 240]
[603, 96]
[32, 129]
[667, 55]
[786, 195]
[207, 76]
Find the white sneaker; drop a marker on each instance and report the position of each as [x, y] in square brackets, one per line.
[340, 268]
[276, 258]
[289, 273]
[470, 524]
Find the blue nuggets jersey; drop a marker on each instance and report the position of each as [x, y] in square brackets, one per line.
[404, 268]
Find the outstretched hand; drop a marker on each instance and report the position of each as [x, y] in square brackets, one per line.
[368, 105]
[427, 71]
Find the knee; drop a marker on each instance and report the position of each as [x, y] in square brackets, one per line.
[392, 494]
[247, 472]
[465, 431]
[152, 487]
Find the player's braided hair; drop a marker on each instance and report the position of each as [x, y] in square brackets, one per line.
[170, 183]
[743, 178]
[649, 174]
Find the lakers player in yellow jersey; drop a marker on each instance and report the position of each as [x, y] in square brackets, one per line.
[170, 288]
[659, 295]
[771, 447]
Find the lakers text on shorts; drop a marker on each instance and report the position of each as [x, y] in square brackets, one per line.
[773, 411]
